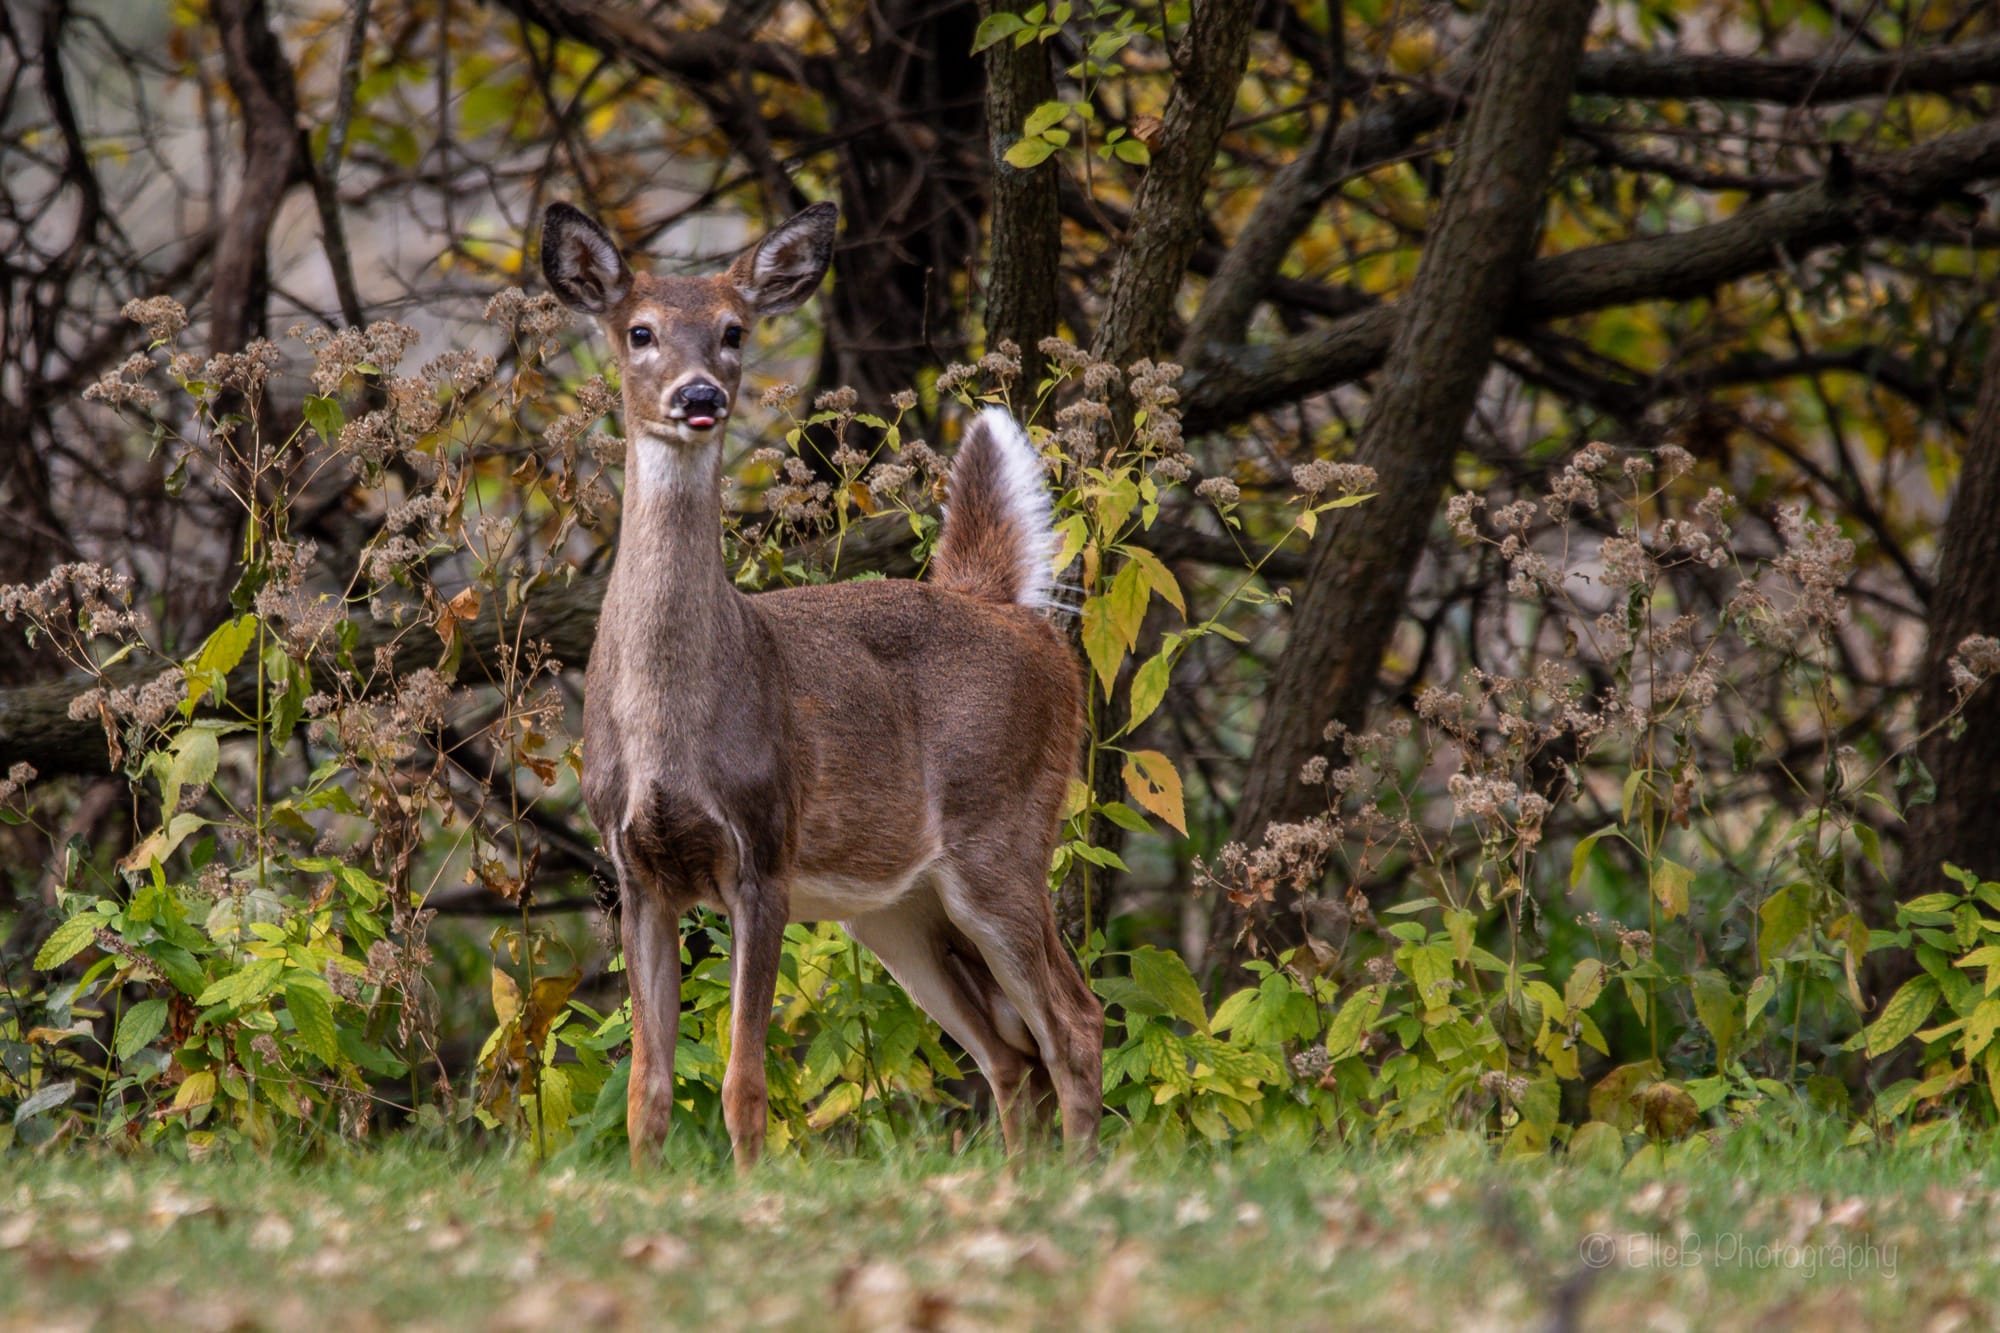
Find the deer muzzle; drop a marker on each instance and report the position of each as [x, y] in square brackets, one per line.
[700, 403]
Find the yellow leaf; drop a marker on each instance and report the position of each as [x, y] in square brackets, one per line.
[1127, 603]
[506, 997]
[842, 1101]
[198, 1090]
[547, 1002]
[1075, 531]
[1670, 885]
[1076, 798]
[1159, 576]
[1155, 784]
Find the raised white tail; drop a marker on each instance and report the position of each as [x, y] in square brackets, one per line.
[997, 540]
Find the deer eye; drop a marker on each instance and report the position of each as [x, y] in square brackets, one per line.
[640, 335]
[733, 336]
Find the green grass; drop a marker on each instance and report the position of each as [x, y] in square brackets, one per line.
[1436, 1238]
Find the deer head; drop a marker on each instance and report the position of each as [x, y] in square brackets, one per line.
[679, 340]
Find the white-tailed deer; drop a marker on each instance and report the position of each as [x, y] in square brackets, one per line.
[890, 754]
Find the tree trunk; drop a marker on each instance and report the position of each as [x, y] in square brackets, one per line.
[274, 160]
[1961, 826]
[1429, 383]
[1025, 224]
[911, 197]
[1166, 213]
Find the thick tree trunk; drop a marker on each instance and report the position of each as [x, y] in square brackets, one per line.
[1166, 213]
[911, 192]
[274, 160]
[1429, 383]
[1961, 825]
[1025, 224]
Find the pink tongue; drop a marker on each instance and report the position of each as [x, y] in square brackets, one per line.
[701, 423]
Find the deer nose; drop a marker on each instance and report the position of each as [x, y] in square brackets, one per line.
[700, 403]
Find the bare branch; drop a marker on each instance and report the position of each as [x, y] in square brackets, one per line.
[1882, 195]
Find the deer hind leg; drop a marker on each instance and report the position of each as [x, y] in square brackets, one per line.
[1042, 1102]
[942, 973]
[650, 928]
[757, 938]
[1014, 928]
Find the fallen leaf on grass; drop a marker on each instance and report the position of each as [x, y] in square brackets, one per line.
[271, 1233]
[1116, 1290]
[658, 1254]
[563, 1305]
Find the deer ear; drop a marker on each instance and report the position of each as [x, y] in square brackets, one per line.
[581, 261]
[786, 267]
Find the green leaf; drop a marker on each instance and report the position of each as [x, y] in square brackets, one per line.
[290, 687]
[1029, 153]
[1128, 596]
[247, 986]
[324, 416]
[1149, 686]
[1716, 1005]
[1430, 967]
[1165, 979]
[310, 1005]
[843, 1101]
[67, 941]
[190, 763]
[488, 107]
[1114, 504]
[1100, 856]
[996, 28]
[1911, 773]
[1781, 918]
[1133, 151]
[1633, 781]
[136, 1030]
[1045, 117]
[1585, 984]
[1101, 641]
[1762, 990]
[1902, 1015]
[1344, 1033]
[1980, 1026]
[1581, 856]
[1871, 846]
[1125, 817]
[180, 966]
[218, 657]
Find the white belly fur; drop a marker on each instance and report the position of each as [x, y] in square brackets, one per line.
[837, 898]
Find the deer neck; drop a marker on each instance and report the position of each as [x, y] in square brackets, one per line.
[670, 602]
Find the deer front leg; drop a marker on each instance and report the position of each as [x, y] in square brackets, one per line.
[651, 931]
[757, 925]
